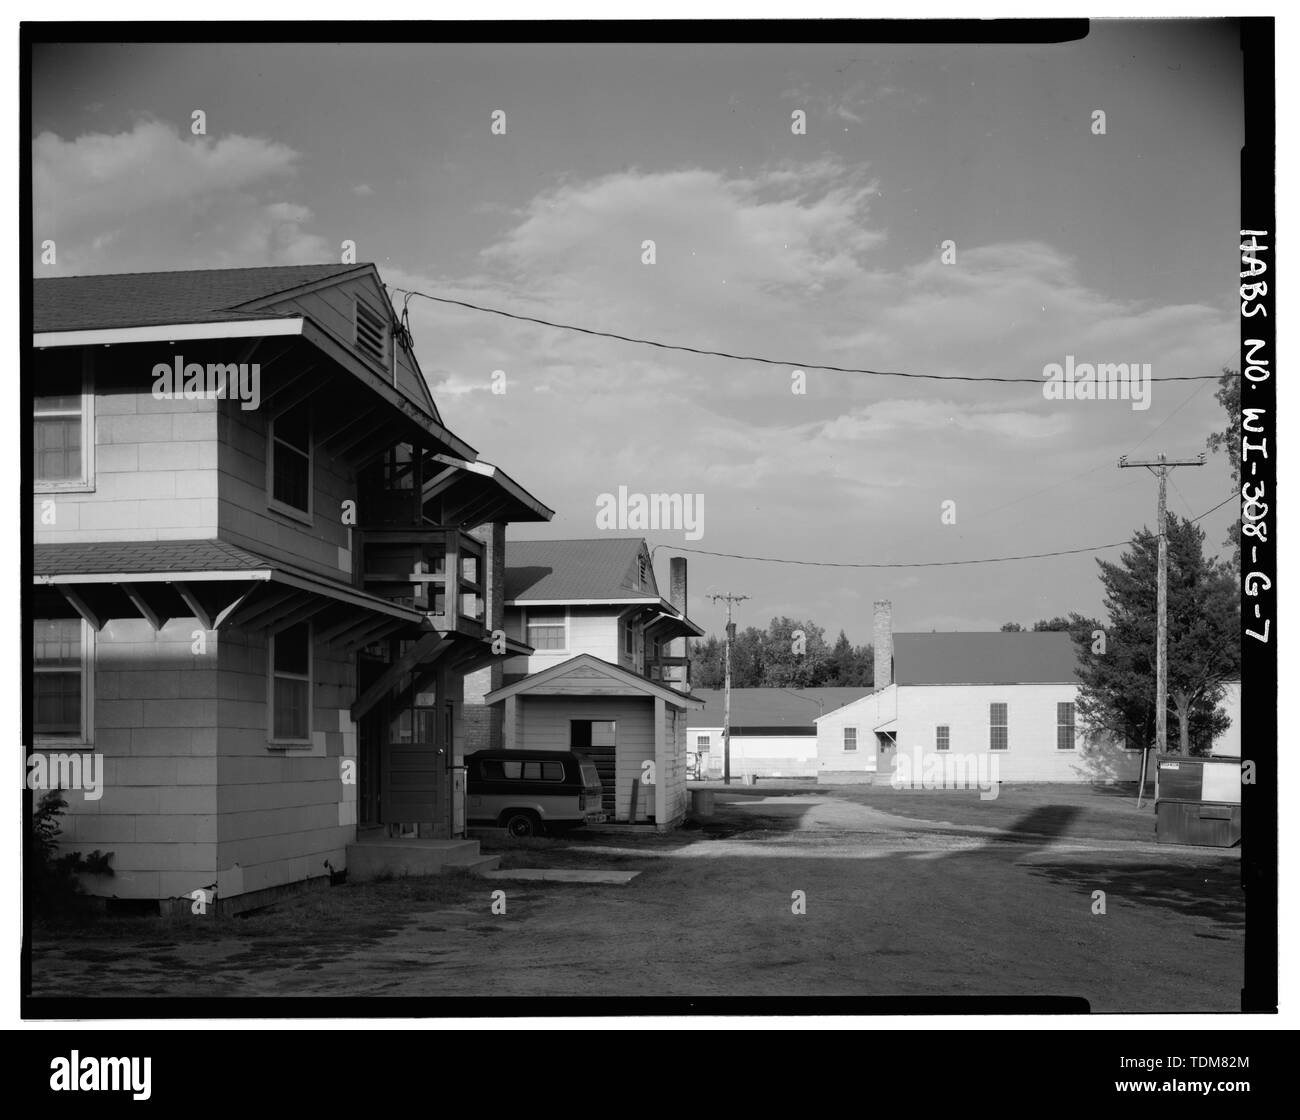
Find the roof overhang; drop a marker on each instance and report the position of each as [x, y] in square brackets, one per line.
[669, 624]
[170, 332]
[479, 492]
[583, 602]
[250, 599]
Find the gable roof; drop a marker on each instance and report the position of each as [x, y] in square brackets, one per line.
[602, 568]
[793, 711]
[1025, 657]
[586, 666]
[137, 299]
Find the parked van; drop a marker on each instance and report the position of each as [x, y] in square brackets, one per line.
[529, 793]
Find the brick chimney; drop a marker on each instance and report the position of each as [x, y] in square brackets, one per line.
[677, 597]
[677, 582]
[882, 637]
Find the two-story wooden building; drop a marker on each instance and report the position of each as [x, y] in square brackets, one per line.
[261, 574]
[607, 673]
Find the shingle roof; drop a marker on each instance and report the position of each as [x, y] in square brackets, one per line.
[600, 568]
[106, 557]
[793, 710]
[1026, 657]
[138, 299]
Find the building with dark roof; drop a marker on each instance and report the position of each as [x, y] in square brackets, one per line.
[607, 672]
[968, 708]
[773, 730]
[263, 566]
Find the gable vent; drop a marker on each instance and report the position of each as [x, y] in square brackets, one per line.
[372, 334]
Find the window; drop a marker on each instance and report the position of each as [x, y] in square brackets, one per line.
[941, 737]
[61, 679]
[1065, 727]
[629, 639]
[641, 571]
[850, 738]
[997, 727]
[546, 631]
[291, 684]
[399, 468]
[702, 742]
[63, 423]
[290, 454]
[372, 334]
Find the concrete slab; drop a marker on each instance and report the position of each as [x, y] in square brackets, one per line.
[562, 875]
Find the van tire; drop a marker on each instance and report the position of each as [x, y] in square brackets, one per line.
[522, 822]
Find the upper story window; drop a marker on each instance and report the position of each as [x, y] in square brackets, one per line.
[941, 737]
[291, 684]
[642, 570]
[546, 631]
[850, 738]
[629, 639]
[372, 336]
[289, 451]
[63, 414]
[61, 678]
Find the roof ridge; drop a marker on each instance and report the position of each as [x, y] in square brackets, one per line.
[193, 271]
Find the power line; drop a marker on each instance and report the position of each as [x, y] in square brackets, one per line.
[927, 563]
[748, 357]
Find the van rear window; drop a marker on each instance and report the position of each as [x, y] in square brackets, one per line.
[517, 770]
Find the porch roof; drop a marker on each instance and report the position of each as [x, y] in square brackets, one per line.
[213, 581]
[586, 675]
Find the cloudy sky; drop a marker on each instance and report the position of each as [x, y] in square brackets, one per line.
[822, 248]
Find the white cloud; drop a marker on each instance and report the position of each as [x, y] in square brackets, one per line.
[153, 198]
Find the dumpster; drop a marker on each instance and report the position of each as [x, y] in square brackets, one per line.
[1198, 800]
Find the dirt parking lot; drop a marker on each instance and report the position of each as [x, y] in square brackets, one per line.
[924, 897]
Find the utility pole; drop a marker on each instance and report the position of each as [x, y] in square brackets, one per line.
[729, 599]
[1160, 467]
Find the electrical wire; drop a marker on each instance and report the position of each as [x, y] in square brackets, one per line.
[751, 357]
[921, 564]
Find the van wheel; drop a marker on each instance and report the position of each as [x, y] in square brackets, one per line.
[522, 822]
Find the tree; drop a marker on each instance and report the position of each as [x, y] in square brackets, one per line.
[1229, 442]
[706, 663]
[1011, 628]
[1118, 686]
[796, 654]
[1057, 623]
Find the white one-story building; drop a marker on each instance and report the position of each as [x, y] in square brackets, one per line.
[1000, 705]
[773, 730]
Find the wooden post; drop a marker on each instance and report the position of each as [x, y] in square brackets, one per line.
[1160, 467]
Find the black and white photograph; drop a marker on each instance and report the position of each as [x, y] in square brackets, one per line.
[617, 519]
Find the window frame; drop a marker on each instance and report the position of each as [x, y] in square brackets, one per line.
[86, 483]
[943, 742]
[844, 740]
[307, 516]
[1005, 725]
[87, 736]
[528, 616]
[271, 675]
[1072, 725]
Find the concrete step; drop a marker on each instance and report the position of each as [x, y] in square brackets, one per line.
[373, 858]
